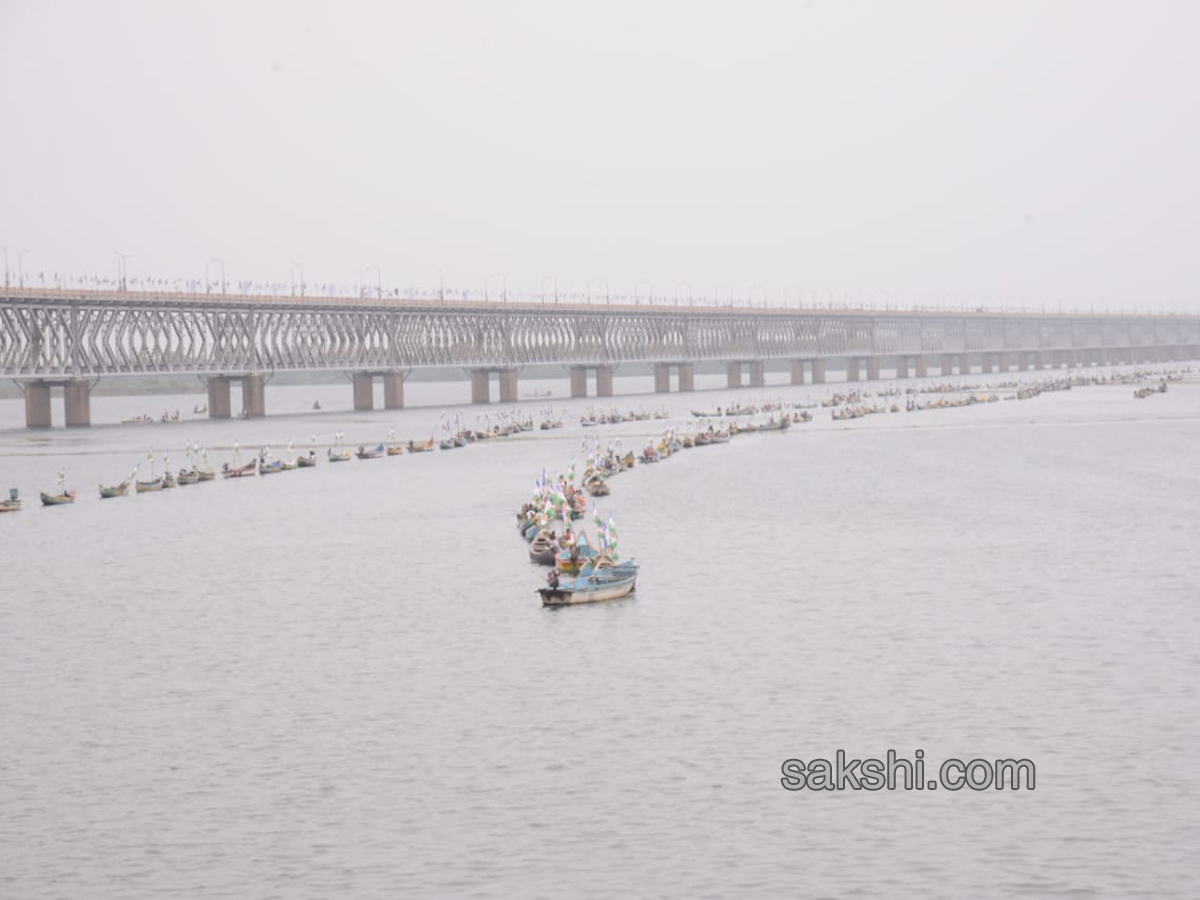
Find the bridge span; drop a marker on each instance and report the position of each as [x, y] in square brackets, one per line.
[68, 338]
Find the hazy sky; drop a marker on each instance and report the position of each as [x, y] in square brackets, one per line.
[877, 151]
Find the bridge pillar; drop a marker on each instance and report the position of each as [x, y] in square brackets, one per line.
[254, 396]
[37, 404]
[797, 371]
[77, 398]
[873, 368]
[901, 366]
[393, 390]
[818, 370]
[481, 386]
[733, 374]
[922, 366]
[578, 381]
[218, 397]
[687, 376]
[364, 390]
[508, 386]
[662, 378]
[758, 375]
[604, 381]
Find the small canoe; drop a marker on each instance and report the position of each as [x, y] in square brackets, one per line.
[542, 549]
[187, 476]
[339, 456]
[420, 446]
[395, 449]
[598, 487]
[289, 464]
[12, 505]
[307, 462]
[144, 487]
[374, 453]
[57, 499]
[116, 490]
[240, 471]
[270, 468]
[447, 444]
[168, 481]
[205, 474]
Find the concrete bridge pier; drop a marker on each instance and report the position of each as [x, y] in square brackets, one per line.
[254, 396]
[733, 374]
[37, 404]
[662, 378]
[687, 376]
[218, 397]
[818, 371]
[758, 375]
[364, 390]
[77, 398]
[508, 386]
[393, 390]
[578, 381]
[921, 364]
[604, 380]
[481, 386]
[852, 369]
[872, 368]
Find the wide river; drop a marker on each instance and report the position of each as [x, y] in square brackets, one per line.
[339, 682]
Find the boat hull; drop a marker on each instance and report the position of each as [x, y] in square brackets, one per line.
[569, 595]
[58, 499]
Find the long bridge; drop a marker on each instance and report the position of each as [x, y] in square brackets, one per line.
[70, 338]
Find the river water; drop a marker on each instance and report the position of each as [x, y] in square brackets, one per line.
[340, 682]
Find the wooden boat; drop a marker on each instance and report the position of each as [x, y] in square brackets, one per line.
[420, 446]
[374, 453]
[168, 480]
[13, 503]
[597, 487]
[649, 455]
[572, 559]
[270, 468]
[57, 499]
[600, 582]
[338, 455]
[187, 476]
[395, 449]
[447, 444]
[288, 464]
[205, 474]
[239, 471]
[307, 462]
[144, 487]
[117, 490]
[542, 548]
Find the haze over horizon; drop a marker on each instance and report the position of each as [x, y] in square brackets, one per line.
[929, 152]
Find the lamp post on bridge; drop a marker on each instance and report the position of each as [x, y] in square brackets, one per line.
[650, 297]
[292, 278]
[5, 249]
[378, 281]
[546, 278]
[689, 287]
[20, 269]
[603, 278]
[121, 269]
[441, 287]
[503, 290]
[207, 283]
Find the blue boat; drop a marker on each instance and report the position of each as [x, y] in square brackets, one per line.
[604, 580]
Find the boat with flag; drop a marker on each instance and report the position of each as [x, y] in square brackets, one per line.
[599, 580]
[116, 490]
[62, 497]
[370, 452]
[338, 453]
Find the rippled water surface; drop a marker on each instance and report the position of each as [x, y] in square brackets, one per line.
[340, 682]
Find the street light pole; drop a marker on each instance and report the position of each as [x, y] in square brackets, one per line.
[292, 278]
[121, 270]
[441, 287]
[689, 287]
[378, 281]
[650, 296]
[5, 249]
[20, 269]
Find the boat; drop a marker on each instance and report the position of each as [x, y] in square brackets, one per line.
[650, 455]
[395, 449]
[187, 476]
[155, 484]
[168, 480]
[270, 468]
[117, 490]
[137, 420]
[316, 404]
[288, 464]
[57, 499]
[598, 487]
[543, 547]
[572, 558]
[338, 455]
[374, 453]
[602, 581]
[420, 446]
[13, 503]
[307, 462]
[248, 469]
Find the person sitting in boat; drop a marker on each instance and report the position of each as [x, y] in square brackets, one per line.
[568, 539]
[552, 578]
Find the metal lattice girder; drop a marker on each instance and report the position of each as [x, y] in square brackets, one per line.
[44, 333]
